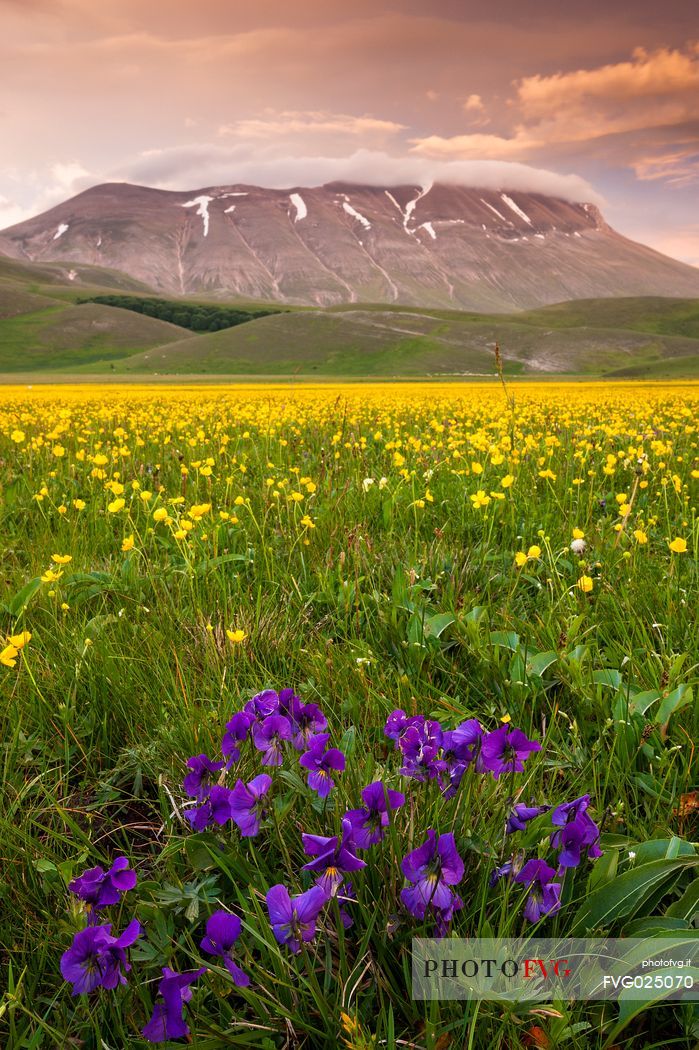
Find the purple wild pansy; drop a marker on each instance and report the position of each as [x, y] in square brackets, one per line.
[505, 750]
[443, 918]
[237, 731]
[197, 783]
[396, 724]
[167, 1020]
[216, 809]
[222, 931]
[459, 748]
[333, 858]
[568, 811]
[289, 703]
[420, 745]
[432, 868]
[320, 763]
[345, 897]
[576, 839]
[544, 896]
[577, 835]
[262, 705]
[293, 919]
[306, 721]
[96, 959]
[520, 816]
[370, 822]
[247, 804]
[100, 888]
[269, 736]
[500, 873]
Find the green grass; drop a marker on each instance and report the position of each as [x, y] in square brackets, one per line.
[66, 336]
[646, 337]
[389, 604]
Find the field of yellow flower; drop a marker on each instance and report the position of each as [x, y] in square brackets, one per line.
[522, 557]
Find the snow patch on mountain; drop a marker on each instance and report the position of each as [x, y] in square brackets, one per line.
[300, 205]
[494, 210]
[63, 227]
[356, 215]
[515, 208]
[430, 229]
[202, 205]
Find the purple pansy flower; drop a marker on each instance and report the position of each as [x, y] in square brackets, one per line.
[576, 839]
[420, 745]
[96, 959]
[577, 833]
[167, 1021]
[459, 748]
[432, 868]
[568, 811]
[222, 931]
[100, 888]
[519, 816]
[544, 895]
[505, 750]
[500, 873]
[269, 736]
[344, 897]
[197, 782]
[396, 724]
[247, 804]
[293, 919]
[333, 857]
[237, 730]
[445, 915]
[320, 763]
[262, 705]
[216, 809]
[370, 822]
[306, 721]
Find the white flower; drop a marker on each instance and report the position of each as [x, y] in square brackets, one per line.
[578, 546]
[383, 483]
[367, 483]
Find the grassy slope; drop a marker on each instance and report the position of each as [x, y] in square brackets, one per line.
[377, 341]
[40, 330]
[65, 336]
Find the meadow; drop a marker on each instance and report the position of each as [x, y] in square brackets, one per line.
[228, 611]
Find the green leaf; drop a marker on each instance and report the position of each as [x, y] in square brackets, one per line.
[436, 625]
[608, 676]
[657, 849]
[654, 926]
[687, 907]
[673, 702]
[642, 701]
[506, 639]
[603, 870]
[625, 894]
[21, 599]
[541, 662]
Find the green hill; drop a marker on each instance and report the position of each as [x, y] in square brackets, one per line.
[44, 327]
[380, 342]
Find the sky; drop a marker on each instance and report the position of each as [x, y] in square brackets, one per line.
[593, 101]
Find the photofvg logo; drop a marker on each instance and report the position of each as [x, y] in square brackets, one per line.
[543, 969]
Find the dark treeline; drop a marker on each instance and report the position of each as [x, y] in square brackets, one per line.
[195, 316]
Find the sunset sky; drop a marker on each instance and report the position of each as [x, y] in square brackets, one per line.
[182, 94]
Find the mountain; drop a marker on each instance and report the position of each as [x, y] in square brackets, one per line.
[441, 246]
